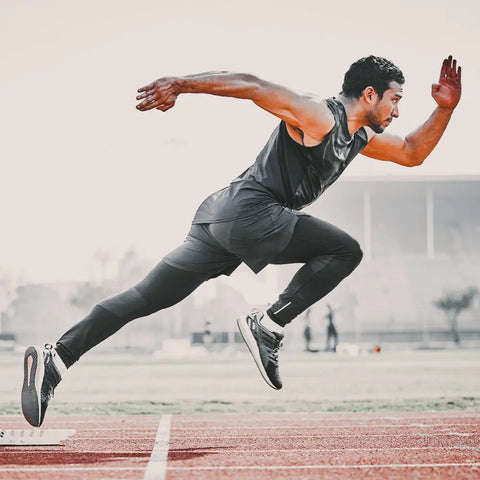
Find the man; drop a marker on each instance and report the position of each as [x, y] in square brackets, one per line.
[332, 335]
[307, 330]
[256, 219]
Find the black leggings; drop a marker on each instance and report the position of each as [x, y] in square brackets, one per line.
[328, 253]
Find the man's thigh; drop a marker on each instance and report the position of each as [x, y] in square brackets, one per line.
[200, 253]
[311, 238]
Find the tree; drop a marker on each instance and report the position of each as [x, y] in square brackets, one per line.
[453, 303]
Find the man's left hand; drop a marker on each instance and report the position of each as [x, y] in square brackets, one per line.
[448, 90]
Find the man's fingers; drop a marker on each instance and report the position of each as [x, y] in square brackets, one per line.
[450, 69]
[149, 99]
[448, 72]
[145, 88]
[453, 72]
[155, 95]
[152, 102]
[145, 105]
[165, 107]
[443, 71]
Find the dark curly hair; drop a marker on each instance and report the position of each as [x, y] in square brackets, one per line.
[376, 72]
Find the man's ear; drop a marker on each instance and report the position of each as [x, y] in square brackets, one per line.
[369, 95]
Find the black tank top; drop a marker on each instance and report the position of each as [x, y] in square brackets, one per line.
[291, 174]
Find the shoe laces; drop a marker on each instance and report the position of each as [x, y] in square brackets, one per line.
[51, 378]
[275, 343]
[272, 339]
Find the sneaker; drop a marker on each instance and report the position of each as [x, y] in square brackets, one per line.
[263, 345]
[40, 378]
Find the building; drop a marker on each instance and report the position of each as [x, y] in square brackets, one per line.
[420, 238]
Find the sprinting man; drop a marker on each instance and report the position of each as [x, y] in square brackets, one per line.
[257, 219]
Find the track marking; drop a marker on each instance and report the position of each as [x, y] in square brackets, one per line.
[330, 467]
[325, 449]
[307, 427]
[68, 469]
[157, 465]
[321, 435]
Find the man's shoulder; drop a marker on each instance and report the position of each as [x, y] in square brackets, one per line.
[327, 105]
[333, 110]
[318, 119]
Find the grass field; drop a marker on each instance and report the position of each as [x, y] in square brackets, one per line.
[128, 383]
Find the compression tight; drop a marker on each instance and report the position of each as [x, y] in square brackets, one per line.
[328, 254]
[163, 287]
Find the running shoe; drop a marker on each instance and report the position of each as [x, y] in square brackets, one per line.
[263, 345]
[40, 379]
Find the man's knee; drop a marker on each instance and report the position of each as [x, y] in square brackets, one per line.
[355, 253]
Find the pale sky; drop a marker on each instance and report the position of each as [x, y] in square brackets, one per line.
[83, 170]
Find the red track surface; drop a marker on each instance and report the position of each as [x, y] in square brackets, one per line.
[266, 446]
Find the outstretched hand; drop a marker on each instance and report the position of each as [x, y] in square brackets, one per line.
[448, 90]
[160, 94]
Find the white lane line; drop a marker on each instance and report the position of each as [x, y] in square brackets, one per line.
[277, 450]
[40, 451]
[267, 450]
[347, 415]
[326, 449]
[68, 469]
[322, 435]
[329, 467]
[323, 427]
[157, 465]
[252, 467]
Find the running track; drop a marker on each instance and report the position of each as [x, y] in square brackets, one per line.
[433, 445]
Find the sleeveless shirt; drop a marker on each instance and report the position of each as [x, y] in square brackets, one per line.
[286, 173]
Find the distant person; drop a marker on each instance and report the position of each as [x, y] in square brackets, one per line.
[256, 219]
[332, 334]
[307, 331]
[207, 337]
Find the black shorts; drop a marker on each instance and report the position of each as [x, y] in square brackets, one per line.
[201, 253]
[219, 248]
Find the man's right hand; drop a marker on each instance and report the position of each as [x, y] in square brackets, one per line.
[160, 94]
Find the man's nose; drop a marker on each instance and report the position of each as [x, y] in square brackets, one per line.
[395, 112]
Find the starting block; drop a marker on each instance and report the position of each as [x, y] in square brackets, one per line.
[33, 437]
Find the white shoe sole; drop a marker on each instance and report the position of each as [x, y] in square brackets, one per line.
[34, 371]
[253, 347]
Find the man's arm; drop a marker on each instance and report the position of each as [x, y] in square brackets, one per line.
[309, 117]
[413, 149]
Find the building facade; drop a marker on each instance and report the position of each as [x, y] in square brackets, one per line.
[420, 238]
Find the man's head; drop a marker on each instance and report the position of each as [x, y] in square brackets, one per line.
[378, 83]
[376, 72]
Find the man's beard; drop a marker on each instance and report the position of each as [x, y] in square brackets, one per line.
[375, 123]
[377, 127]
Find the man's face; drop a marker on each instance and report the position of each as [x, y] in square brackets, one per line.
[385, 109]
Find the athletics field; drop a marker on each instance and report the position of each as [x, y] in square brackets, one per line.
[402, 414]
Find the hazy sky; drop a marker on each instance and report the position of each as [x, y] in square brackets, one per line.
[82, 170]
